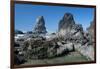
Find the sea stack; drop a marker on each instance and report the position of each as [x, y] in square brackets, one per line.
[40, 26]
[68, 27]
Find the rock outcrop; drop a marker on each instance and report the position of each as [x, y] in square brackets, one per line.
[40, 48]
[67, 21]
[90, 30]
[68, 28]
[74, 33]
[70, 38]
[40, 26]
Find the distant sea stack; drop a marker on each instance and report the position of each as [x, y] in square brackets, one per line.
[18, 32]
[67, 26]
[40, 26]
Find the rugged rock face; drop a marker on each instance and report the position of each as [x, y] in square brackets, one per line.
[40, 48]
[91, 29]
[68, 28]
[67, 21]
[40, 26]
[74, 33]
[70, 38]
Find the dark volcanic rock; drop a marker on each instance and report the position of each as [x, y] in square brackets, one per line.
[40, 26]
[18, 58]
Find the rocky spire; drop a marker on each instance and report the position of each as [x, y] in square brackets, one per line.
[68, 28]
[66, 21]
[40, 26]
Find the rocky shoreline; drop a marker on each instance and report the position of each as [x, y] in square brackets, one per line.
[69, 38]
